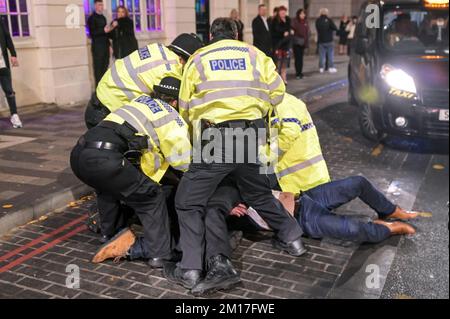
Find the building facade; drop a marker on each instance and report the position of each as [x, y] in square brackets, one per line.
[54, 48]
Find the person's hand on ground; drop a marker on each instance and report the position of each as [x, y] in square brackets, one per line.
[239, 211]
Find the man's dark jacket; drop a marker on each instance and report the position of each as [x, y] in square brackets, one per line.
[100, 40]
[6, 43]
[325, 29]
[262, 38]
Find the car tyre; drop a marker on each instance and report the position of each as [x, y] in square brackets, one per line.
[367, 124]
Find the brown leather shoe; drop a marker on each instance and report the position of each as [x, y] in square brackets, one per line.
[397, 228]
[400, 213]
[116, 248]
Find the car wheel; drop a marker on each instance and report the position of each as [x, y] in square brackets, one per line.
[367, 124]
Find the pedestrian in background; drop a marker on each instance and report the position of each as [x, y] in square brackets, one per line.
[282, 41]
[262, 38]
[273, 16]
[300, 40]
[6, 44]
[351, 28]
[343, 35]
[98, 31]
[123, 39]
[325, 40]
[234, 15]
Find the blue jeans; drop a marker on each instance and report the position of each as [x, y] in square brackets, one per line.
[318, 221]
[326, 53]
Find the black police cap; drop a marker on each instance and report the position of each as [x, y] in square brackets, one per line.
[186, 44]
[168, 86]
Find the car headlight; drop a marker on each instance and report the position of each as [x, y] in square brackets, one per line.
[398, 79]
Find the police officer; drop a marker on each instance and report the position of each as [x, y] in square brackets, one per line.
[136, 74]
[300, 164]
[228, 86]
[152, 127]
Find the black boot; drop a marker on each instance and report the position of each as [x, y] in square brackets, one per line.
[295, 248]
[184, 277]
[157, 263]
[221, 276]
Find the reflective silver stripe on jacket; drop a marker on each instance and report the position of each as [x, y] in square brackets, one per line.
[298, 167]
[218, 85]
[186, 156]
[157, 163]
[200, 68]
[119, 83]
[133, 73]
[253, 59]
[183, 105]
[139, 121]
[164, 56]
[165, 120]
[225, 94]
[275, 84]
[277, 100]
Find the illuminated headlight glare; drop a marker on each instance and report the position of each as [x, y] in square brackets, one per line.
[398, 79]
[400, 121]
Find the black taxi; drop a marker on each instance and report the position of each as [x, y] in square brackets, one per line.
[398, 70]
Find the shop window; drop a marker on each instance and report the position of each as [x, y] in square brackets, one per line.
[153, 15]
[14, 16]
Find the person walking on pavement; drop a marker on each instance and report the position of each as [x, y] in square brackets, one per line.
[153, 128]
[124, 41]
[262, 38]
[300, 40]
[228, 86]
[282, 41]
[6, 45]
[98, 31]
[234, 14]
[325, 39]
[137, 74]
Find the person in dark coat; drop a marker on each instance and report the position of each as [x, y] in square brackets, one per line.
[98, 31]
[343, 35]
[234, 14]
[282, 41]
[325, 33]
[300, 40]
[6, 45]
[262, 38]
[122, 35]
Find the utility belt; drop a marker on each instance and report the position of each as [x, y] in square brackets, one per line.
[235, 124]
[135, 143]
[100, 145]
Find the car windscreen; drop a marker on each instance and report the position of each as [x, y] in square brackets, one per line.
[416, 31]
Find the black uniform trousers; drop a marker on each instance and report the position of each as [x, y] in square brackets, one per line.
[197, 187]
[110, 173]
[100, 59]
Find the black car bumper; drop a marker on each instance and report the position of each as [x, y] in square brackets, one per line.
[422, 115]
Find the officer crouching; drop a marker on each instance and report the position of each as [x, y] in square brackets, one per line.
[152, 127]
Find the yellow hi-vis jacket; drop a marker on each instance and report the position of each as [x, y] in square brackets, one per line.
[301, 165]
[136, 74]
[168, 135]
[229, 80]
